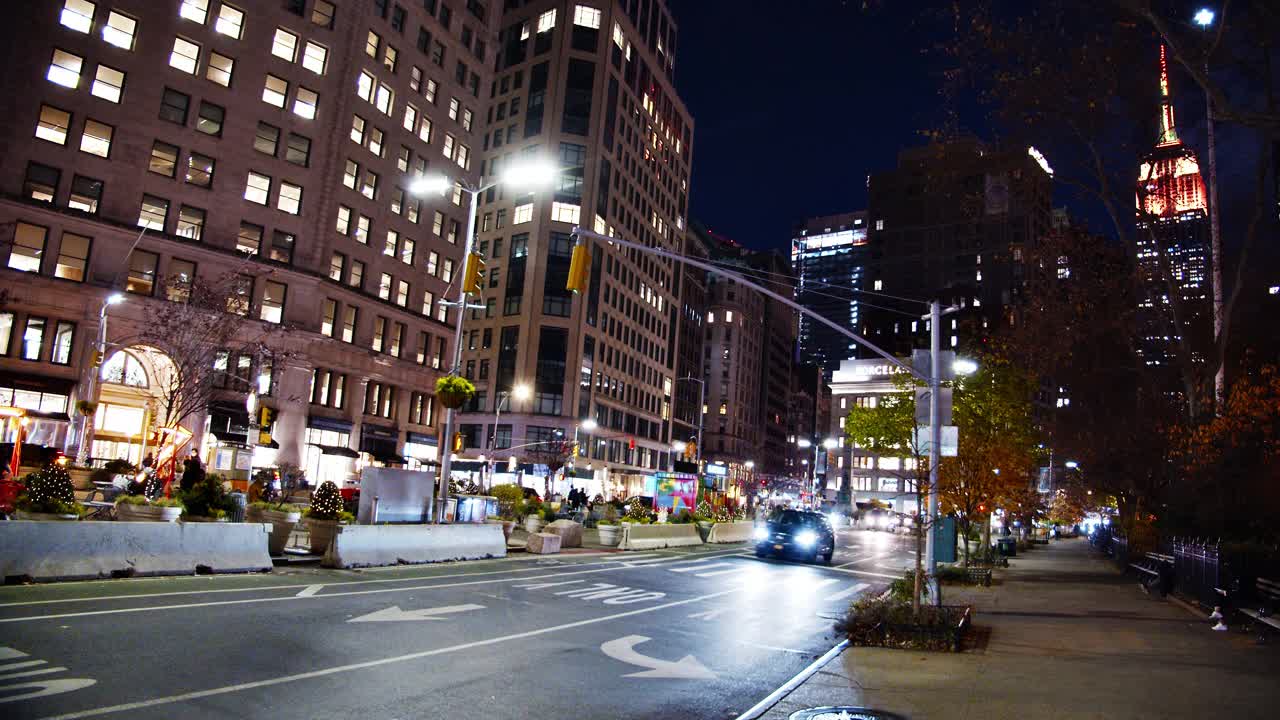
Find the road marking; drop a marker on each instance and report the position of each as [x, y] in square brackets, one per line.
[856, 572]
[394, 613]
[29, 673]
[859, 560]
[686, 668]
[309, 590]
[38, 688]
[719, 572]
[709, 614]
[539, 586]
[8, 653]
[825, 582]
[339, 669]
[696, 568]
[772, 647]
[859, 587]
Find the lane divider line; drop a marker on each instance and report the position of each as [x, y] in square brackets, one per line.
[309, 590]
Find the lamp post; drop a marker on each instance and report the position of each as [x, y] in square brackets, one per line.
[520, 392]
[530, 175]
[1204, 18]
[92, 384]
[251, 405]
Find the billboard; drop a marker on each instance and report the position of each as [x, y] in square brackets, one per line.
[675, 491]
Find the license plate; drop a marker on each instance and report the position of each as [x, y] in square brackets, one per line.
[777, 547]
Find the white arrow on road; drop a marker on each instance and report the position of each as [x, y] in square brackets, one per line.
[686, 668]
[394, 613]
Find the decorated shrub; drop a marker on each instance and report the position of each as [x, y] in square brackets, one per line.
[207, 498]
[326, 503]
[637, 511]
[49, 491]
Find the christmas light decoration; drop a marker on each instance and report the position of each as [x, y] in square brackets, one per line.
[326, 502]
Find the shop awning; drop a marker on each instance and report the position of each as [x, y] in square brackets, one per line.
[420, 439]
[467, 465]
[338, 451]
[320, 422]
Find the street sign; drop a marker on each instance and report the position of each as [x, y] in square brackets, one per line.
[922, 405]
[950, 440]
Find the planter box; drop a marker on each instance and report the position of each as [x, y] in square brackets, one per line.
[282, 524]
[373, 545]
[652, 537]
[128, 512]
[948, 637]
[321, 533]
[534, 524]
[569, 531]
[43, 517]
[609, 534]
[46, 551]
[731, 532]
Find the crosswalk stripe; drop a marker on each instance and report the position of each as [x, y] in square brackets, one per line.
[855, 588]
[718, 572]
[696, 568]
[825, 582]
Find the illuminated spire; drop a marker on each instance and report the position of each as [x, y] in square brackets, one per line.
[1168, 132]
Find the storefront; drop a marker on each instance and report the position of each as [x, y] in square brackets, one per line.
[45, 401]
[226, 441]
[328, 455]
[421, 452]
[378, 445]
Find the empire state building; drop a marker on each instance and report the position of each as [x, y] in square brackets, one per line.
[1172, 238]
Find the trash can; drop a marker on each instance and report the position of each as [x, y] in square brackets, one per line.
[241, 503]
[1007, 546]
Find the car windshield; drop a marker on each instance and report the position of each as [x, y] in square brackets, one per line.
[795, 517]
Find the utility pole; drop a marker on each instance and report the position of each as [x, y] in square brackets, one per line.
[935, 448]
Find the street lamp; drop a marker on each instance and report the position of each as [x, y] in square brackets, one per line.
[587, 424]
[91, 385]
[527, 175]
[964, 366]
[519, 392]
[1204, 18]
[251, 405]
[1072, 464]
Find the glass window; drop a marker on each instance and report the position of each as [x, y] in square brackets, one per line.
[185, 56]
[379, 333]
[257, 188]
[33, 338]
[290, 199]
[120, 30]
[322, 14]
[402, 293]
[210, 118]
[305, 102]
[298, 150]
[65, 69]
[219, 69]
[315, 58]
[249, 239]
[73, 257]
[190, 222]
[586, 17]
[230, 21]
[371, 43]
[194, 10]
[329, 317]
[53, 124]
[274, 91]
[284, 45]
[164, 159]
[356, 278]
[28, 247]
[350, 315]
[63, 334]
[200, 170]
[41, 182]
[266, 139]
[142, 272]
[77, 15]
[281, 249]
[108, 84]
[173, 106]
[273, 296]
[182, 274]
[86, 194]
[384, 287]
[6, 332]
[154, 213]
[241, 295]
[337, 264]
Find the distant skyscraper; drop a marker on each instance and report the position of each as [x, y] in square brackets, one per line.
[827, 256]
[1173, 220]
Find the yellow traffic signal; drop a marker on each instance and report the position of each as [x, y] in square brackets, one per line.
[96, 359]
[579, 267]
[266, 417]
[458, 444]
[473, 273]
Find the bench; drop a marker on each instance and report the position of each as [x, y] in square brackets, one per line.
[1268, 592]
[1156, 571]
[101, 501]
[979, 576]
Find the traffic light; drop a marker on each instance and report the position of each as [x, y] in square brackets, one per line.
[266, 420]
[473, 273]
[579, 267]
[96, 359]
[458, 444]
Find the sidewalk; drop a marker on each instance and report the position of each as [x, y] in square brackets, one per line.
[1061, 634]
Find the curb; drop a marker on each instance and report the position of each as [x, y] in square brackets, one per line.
[1191, 609]
[789, 686]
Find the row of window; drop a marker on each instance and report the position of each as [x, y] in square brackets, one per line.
[39, 338]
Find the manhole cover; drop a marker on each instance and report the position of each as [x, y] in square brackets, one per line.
[843, 712]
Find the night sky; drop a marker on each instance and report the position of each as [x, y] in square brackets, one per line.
[794, 104]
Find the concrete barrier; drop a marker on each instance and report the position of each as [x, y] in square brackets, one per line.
[661, 535]
[45, 551]
[731, 532]
[373, 545]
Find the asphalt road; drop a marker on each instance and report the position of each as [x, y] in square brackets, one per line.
[704, 632]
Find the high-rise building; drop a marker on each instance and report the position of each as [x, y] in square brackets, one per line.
[828, 257]
[689, 392]
[591, 86]
[950, 223]
[273, 143]
[1173, 227]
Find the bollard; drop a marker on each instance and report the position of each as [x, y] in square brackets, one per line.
[373, 516]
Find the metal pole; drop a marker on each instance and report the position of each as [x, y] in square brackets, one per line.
[493, 436]
[1215, 242]
[91, 394]
[446, 462]
[935, 448]
[702, 400]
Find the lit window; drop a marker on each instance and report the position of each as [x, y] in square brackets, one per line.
[364, 86]
[53, 125]
[120, 30]
[315, 58]
[522, 214]
[257, 188]
[402, 293]
[350, 174]
[73, 257]
[447, 273]
[375, 141]
[194, 10]
[454, 106]
[96, 139]
[230, 21]
[86, 194]
[200, 170]
[728, 316]
[389, 57]
[185, 56]
[369, 188]
[28, 248]
[290, 199]
[547, 20]
[273, 294]
[385, 99]
[410, 117]
[219, 69]
[108, 84]
[432, 88]
[371, 43]
[619, 38]
[284, 45]
[153, 214]
[424, 130]
[65, 69]
[878, 285]
[586, 16]
[77, 15]
[467, 119]
[384, 286]
[566, 213]
[463, 159]
[879, 224]
[190, 222]
[274, 91]
[322, 14]
[357, 129]
[164, 159]
[449, 144]
[304, 103]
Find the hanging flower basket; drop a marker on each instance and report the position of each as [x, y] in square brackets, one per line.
[453, 392]
[85, 407]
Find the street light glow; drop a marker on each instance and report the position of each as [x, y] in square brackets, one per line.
[1204, 18]
[529, 175]
[115, 298]
[1072, 464]
[804, 442]
[830, 443]
[589, 425]
[521, 392]
[430, 185]
[750, 464]
[679, 445]
[964, 366]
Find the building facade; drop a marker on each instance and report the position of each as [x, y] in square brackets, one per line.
[589, 85]
[828, 257]
[865, 478]
[153, 146]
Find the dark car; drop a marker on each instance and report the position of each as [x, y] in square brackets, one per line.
[797, 533]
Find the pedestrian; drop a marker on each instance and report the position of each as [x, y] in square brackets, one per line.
[192, 471]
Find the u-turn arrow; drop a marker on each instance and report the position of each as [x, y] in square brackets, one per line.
[686, 668]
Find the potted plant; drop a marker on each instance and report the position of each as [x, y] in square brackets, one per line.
[206, 501]
[533, 516]
[49, 495]
[324, 516]
[283, 517]
[454, 391]
[137, 508]
[510, 505]
[86, 407]
[608, 526]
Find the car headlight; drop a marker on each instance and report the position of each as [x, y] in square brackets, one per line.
[760, 533]
[806, 538]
